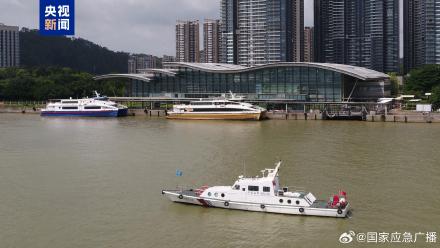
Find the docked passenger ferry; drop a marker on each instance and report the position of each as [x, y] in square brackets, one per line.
[262, 194]
[216, 109]
[87, 107]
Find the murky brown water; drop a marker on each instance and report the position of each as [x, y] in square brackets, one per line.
[97, 182]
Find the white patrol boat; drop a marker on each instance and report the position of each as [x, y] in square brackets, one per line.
[217, 109]
[262, 194]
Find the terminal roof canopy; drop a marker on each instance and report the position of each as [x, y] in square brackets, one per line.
[353, 71]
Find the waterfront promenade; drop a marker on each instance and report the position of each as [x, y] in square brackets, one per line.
[313, 115]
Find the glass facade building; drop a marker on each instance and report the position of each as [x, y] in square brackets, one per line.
[304, 82]
[257, 32]
[358, 32]
[421, 25]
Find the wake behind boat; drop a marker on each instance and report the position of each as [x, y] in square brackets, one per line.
[87, 107]
[217, 109]
[262, 194]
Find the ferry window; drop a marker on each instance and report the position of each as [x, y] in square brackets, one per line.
[244, 189]
[297, 202]
[237, 187]
[70, 107]
[92, 107]
[281, 200]
[209, 193]
[289, 201]
[266, 189]
[253, 188]
[222, 195]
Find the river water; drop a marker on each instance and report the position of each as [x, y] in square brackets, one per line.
[97, 182]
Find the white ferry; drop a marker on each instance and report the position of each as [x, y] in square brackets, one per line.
[262, 194]
[86, 107]
[217, 109]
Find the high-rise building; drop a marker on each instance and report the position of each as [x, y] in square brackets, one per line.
[297, 36]
[228, 28]
[167, 58]
[203, 57]
[421, 24]
[187, 41]
[256, 32]
[9, 46]
[358, 32]
[308, 44]
[211, 41]
[141, 61]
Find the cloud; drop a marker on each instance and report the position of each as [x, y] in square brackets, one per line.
[137, 26]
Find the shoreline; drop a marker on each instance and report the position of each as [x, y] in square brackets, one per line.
[398, 117]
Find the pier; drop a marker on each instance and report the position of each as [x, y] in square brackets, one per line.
[278, 109]
[284, 109]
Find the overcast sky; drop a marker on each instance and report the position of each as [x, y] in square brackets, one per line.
[135, 26]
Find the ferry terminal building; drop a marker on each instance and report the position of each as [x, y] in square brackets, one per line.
[297, 81]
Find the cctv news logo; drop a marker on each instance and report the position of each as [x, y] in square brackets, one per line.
[57, 17]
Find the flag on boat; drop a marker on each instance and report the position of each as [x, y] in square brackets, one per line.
[179, 173]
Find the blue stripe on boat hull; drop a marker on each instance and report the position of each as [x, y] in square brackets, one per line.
[113, 113]
[123, 112]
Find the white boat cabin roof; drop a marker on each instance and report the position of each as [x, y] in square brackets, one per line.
[213, 102]
[269, 178]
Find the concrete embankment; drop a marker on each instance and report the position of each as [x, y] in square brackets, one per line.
[15, 109]
[406, 117]
[398, 117]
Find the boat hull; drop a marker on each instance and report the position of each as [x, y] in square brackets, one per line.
[110, 113]
[178, 197]
[214, 116]
[122, 112]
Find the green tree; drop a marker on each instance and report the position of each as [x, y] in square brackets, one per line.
[394, 84]
[43, 83]
[423, 79]
[435, 98]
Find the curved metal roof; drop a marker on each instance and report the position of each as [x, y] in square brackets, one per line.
[354, 71]
[142, 77]
[212, 67]
[158, 71]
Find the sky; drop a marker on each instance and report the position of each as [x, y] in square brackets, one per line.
[134, 26]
